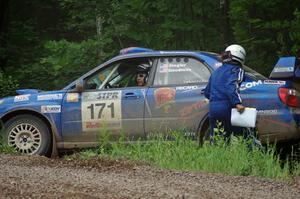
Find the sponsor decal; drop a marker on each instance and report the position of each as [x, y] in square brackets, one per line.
[49, 97]
[247, 85]
[186, 111]
[283, 69]
[273, 82]
[96, 125]
[170, 67]
[101, 109]
[51, 109]
[1, 102]
[268, 112]
[106, 95]
[186, 88]
[164, 98]
[250, 85]
[72, 97]
[21, 98]
[218, 64]
[193, 81]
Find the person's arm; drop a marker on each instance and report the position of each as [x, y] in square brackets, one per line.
[207, 90]
[232, 88]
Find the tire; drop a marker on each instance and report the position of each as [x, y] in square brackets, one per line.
[28, 135]
[203, 133]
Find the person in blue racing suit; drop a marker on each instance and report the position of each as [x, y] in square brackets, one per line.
[223, 90]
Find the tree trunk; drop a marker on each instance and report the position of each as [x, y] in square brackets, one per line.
[4, 5]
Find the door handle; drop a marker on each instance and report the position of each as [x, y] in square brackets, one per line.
[131, 96]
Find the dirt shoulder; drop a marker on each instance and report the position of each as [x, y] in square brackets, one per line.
[40, 177]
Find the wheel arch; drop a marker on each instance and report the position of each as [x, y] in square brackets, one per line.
[50, 126]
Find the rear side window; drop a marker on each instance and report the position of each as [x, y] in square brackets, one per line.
[180, 70]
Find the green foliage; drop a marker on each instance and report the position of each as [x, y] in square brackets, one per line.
[65, 61]
[8, 85]
[267, 30]
[48, 44]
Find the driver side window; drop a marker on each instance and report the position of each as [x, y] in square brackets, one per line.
[117, 75]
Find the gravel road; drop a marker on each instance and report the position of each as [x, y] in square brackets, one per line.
[40, 177]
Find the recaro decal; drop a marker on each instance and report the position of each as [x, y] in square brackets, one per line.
[101, 109]
[21, 98]
[187, 88]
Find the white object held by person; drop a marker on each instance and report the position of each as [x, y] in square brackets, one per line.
[245, 119]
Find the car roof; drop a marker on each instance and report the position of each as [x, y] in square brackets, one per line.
[137, 52]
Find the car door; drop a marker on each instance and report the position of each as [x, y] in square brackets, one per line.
[110, 104]
[176, 99]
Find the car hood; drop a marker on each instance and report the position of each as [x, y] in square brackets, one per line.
[28, 91]
[27, 96]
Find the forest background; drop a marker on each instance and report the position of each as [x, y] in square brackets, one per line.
[45, 44]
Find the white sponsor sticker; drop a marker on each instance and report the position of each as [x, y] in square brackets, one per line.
[267, 112]
[51, 109]
[101, 109]
[178, 67]
[21, 98]
[274, 82]
[49, 97]
[283, 69]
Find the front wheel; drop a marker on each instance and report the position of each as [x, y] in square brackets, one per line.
[28, 135]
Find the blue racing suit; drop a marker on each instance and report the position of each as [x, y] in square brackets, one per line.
[223, 94]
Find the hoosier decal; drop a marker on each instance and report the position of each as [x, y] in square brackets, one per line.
[51, 109]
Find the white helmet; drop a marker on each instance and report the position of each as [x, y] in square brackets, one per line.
[238, 53]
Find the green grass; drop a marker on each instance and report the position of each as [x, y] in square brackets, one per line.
[184, 154]
[4, 148]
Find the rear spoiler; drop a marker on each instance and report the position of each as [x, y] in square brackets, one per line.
[286, 68]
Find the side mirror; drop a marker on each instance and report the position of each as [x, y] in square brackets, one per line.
[79, 86]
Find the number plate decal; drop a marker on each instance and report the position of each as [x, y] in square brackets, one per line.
[101, 110]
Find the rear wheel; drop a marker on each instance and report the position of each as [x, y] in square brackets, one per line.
[28, 135]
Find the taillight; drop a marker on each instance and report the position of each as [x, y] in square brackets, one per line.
[289, 97]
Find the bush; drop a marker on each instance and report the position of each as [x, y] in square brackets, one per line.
[7, 85]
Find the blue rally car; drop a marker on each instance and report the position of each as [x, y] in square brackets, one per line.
[108, 99]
